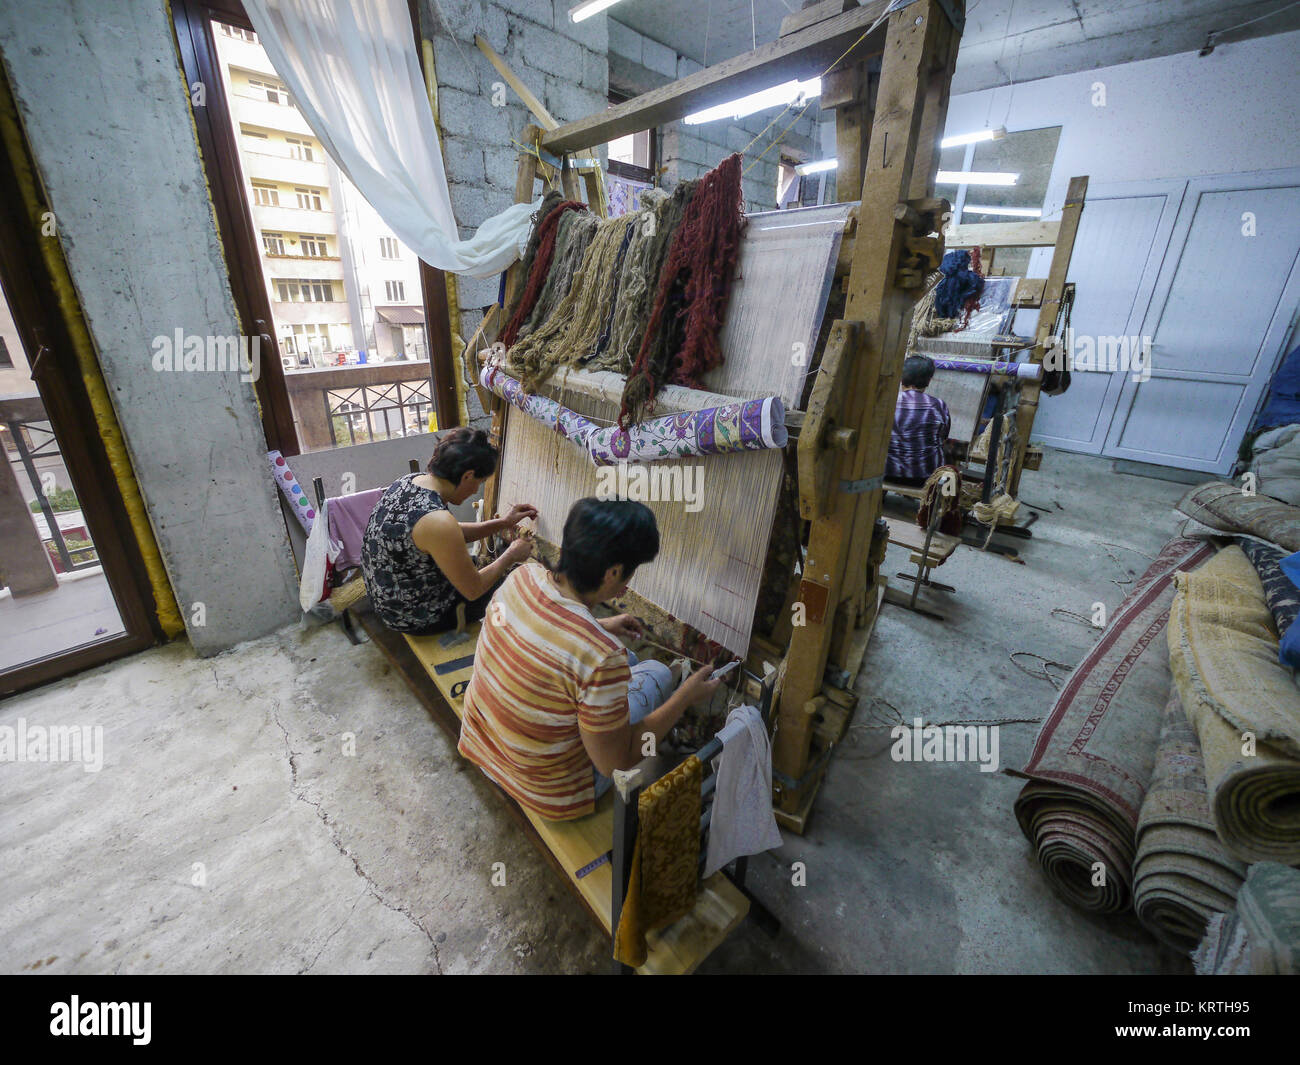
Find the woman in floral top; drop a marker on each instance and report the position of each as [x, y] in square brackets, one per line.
[414, 558]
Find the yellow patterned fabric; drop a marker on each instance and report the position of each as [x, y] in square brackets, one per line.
[665, 861]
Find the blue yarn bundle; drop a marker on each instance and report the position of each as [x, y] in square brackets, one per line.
[960, 283]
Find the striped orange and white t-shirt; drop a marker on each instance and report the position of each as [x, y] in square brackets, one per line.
[543, 666]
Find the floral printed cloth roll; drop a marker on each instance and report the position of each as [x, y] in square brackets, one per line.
[749, 425]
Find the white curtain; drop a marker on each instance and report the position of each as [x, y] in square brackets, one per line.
[351, 66]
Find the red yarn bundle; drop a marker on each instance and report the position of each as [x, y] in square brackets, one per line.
[546, 231]
[681, 342]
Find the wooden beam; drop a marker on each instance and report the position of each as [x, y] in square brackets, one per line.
[922, 45]
[524, 92]
[1003, 235]
[805, 54]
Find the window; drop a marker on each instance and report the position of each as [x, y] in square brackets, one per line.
[632, 156]
[309, 199]
[304, 290]
[238, 32]
[299, 149]
[303, 341]
[266, 195]
[273, 91]
[388, 247]
[255, 135]
[395, 291]
[273, 243]
[312, 247]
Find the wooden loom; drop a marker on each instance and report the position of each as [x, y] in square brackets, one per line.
[888, 127]
[1045, 294]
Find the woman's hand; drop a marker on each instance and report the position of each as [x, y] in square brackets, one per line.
[698, 689]
[519, 551]
[624, 625]
[518, 513]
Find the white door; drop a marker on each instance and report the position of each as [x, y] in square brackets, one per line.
[1122, 236]
[1223, 309]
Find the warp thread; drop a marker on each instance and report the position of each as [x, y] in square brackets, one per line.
[681, 341]
[539, 264]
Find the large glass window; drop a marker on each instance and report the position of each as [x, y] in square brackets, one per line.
[338, 293]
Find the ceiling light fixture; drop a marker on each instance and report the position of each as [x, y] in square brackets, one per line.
[974, 138]
[975, 177]
[786, 93]
[1014, 212]
[588, 8]
[817, 167]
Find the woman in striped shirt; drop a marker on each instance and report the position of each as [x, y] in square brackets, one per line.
[551, 706]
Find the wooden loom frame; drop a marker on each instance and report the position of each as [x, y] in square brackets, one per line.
[888, 128]
[1044, 294]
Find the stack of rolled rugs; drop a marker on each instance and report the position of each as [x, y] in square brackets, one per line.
[644, 295]
[1166, 803]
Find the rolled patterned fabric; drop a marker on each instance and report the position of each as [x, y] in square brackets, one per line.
[747, 425]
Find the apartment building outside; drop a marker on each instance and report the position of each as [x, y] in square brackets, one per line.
[344, 291]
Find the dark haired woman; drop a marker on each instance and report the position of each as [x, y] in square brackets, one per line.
[551, 707]
[921, 425]
[414, 560]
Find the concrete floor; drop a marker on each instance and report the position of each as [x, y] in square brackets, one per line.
[313, 860]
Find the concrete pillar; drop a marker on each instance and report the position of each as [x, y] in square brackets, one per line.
[25, 565]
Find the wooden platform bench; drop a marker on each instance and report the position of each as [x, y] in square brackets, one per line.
[582, 851]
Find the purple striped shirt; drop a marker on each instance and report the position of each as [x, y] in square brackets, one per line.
[921, 424]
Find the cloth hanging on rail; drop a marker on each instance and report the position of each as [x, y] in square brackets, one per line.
[665, 860]
[348, 516]
[742, 821]
[354, 75]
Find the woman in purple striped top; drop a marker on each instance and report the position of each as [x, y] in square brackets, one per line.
[921, 425]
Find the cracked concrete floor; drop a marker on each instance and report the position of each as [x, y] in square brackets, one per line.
[230, 831]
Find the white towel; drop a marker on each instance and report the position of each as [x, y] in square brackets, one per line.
[742, 802]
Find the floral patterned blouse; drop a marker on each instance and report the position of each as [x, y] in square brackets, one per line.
[408, 591]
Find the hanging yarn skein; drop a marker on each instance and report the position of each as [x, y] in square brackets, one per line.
[959, 286]
[545, 233]
[681, 341]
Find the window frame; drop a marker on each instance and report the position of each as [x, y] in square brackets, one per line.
[217, 133]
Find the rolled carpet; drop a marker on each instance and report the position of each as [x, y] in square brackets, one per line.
[1262, 937]
[1182, 876]
[1093, 759]
[1233, 691]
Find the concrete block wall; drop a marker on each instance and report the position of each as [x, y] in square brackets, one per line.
[561, 61]
[638, 64]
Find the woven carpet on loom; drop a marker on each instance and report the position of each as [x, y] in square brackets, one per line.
[710, 564]
[1183, 875]
[1092, 761]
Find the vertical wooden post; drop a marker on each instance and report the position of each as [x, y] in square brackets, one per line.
[1053, 292]
[524, 183]
[921, 42]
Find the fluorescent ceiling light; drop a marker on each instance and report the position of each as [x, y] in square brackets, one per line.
[975, 177]
[973, 138]
[776, 96]
[817, 167]
[589, 8]
[1014, 212]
